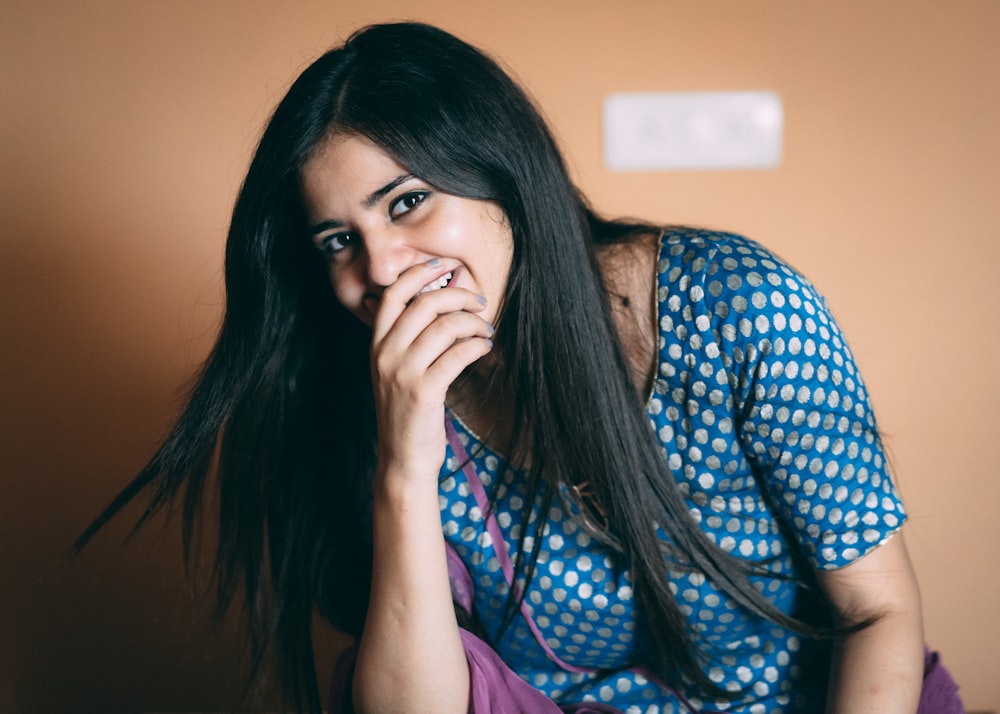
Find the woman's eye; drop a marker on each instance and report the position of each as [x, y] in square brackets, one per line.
[333, 244]
[407, 202]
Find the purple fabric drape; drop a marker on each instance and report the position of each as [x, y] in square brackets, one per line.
[493, 687]
[496, 689]
[940, 692]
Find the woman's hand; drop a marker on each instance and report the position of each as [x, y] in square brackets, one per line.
[421, 342]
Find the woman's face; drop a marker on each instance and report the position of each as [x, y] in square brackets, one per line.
[373, 220]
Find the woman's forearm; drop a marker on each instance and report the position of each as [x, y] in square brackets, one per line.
[879, 669]
[410, 657]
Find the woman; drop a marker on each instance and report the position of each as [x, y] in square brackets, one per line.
[430, 404]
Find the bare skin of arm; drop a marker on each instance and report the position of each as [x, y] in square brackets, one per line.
[880, 668]
[410, 657]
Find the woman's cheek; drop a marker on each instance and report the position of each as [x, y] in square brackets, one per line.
[351, 296]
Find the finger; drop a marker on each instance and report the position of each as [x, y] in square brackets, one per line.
[409, 284]
[407, 323]
[408, 358]
[450, 364]
[444, 332]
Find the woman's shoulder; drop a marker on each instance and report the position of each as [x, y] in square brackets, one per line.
[632, 259]
[699, 249]
[718, 268]
[675, 258]
[691, 256]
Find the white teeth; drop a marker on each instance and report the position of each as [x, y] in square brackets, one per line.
[437, 284]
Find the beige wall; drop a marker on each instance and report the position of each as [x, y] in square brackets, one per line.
[126, 129]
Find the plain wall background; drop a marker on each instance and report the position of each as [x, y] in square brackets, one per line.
[126, 130]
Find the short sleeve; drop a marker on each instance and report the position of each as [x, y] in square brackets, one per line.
[804, 415]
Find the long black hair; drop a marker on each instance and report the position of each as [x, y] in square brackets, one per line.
[282, 413]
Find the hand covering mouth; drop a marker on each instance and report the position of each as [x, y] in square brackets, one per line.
[371, 300]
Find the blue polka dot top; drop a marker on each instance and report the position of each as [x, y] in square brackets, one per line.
[766, 425]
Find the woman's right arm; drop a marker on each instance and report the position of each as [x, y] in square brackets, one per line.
[411, 657]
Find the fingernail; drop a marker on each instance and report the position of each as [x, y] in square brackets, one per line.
[489, 343]
[490, 328]
[434, 262]
[481, 299]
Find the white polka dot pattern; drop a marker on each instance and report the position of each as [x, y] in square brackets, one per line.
[765, 423]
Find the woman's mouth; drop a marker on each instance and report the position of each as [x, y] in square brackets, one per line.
[441, 282]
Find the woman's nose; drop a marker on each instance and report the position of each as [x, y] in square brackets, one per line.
[387, 258]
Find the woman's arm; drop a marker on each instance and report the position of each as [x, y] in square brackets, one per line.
[411, 657]
[880, 668]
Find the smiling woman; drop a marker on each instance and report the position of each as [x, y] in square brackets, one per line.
[422, 414]
[374, 220]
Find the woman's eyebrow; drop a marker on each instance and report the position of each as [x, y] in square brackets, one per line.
[377, 195]
[324, 226]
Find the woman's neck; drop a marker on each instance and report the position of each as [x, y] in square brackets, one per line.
[476, 398]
